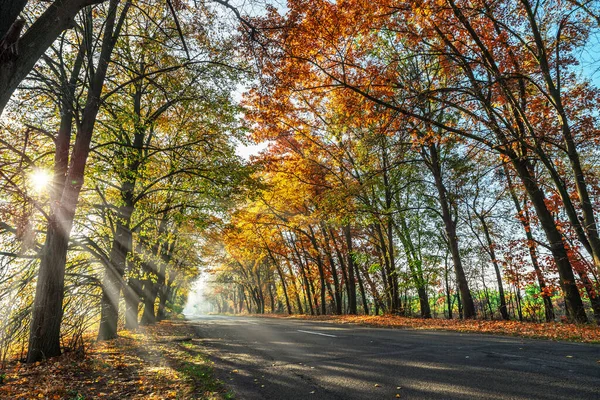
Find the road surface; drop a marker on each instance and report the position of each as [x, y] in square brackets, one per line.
[262, 358]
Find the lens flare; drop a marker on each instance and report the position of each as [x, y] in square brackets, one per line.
[40, 179]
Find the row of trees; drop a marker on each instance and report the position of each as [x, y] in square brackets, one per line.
[128, 117]
[428, 152]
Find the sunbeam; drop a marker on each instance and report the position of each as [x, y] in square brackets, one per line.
[40, 179]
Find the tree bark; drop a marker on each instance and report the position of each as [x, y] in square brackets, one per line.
[150, 292]
[468, 307]
[350, 263]
[492, 254]
[36, 40]
[524, 218]
[44, 336]
[557, 248]
[132, 303]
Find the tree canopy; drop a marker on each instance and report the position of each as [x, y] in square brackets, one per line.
[437, 159]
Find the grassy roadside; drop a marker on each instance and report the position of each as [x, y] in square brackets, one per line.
[549, 331]
[158, 362]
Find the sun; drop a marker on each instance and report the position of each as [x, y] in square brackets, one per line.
[40, 179]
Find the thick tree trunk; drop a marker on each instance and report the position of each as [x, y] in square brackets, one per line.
[44, 337]
[36, 40]
[54, 254]
[46, 319]
[567, 279]
[150, 291]
[10, 10]
[161, 314]
[132, 303]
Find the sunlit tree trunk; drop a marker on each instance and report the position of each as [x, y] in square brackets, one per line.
[44, 338]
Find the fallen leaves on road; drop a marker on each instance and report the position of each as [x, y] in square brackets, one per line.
[550, 330]
[157, 362]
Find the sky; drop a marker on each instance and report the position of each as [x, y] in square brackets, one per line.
[245, 151]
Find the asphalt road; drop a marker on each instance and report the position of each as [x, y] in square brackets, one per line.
[260, 358]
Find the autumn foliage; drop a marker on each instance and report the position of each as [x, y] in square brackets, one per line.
[427, 158]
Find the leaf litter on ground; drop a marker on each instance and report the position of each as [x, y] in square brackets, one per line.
[583, 333]
[155, 362]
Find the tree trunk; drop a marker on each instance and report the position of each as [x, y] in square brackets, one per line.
[468, 307]
[44, 337]
[336, 284]
[38, 38]
[132, 303]
[361, 287]
[350, 263]
[448, 294]
[555, 92]
[47, 309]
[320, 268]
[112, 282]
[524, 218]
[415, 265]
[567, 279]
[150, 291]
[492, 253]
[283, 284]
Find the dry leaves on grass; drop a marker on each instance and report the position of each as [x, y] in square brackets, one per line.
[158, 362]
